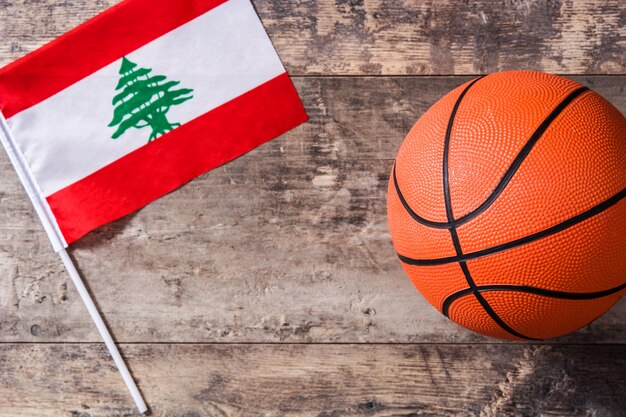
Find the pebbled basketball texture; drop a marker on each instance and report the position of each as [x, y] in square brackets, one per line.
[506, 205]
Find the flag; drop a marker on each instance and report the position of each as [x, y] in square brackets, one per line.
[136, 102]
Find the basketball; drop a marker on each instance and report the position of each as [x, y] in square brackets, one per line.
[506, 205]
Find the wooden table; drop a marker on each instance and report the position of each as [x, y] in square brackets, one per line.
[269, 287]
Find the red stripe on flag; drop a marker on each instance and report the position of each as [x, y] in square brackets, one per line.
[91, 46]
[177, 157]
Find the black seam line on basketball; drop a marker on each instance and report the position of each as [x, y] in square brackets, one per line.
[446, 152]
[522, 241]
[488, 309]
[445, 309]
[506, 178]
[521, 156]
[413, 214]
[474, 290]
[453, 233]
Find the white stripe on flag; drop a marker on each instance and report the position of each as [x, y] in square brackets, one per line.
[220, 55]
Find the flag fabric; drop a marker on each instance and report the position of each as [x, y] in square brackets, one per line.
[140, 100]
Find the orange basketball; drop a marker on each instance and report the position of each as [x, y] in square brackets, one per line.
[506, 205]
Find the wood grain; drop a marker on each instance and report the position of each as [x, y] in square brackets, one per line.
[286, 244]
[289, 244]
[397, 37]
[316, 380]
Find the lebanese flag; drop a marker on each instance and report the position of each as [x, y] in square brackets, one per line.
[138, 101]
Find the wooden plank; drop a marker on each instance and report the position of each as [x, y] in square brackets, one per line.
[286, 244]
[316, 380]
[382, 37]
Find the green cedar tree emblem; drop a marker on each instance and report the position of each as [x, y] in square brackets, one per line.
[145, 100]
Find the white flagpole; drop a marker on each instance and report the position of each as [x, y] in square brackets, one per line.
[104, 332]
[59, 246]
